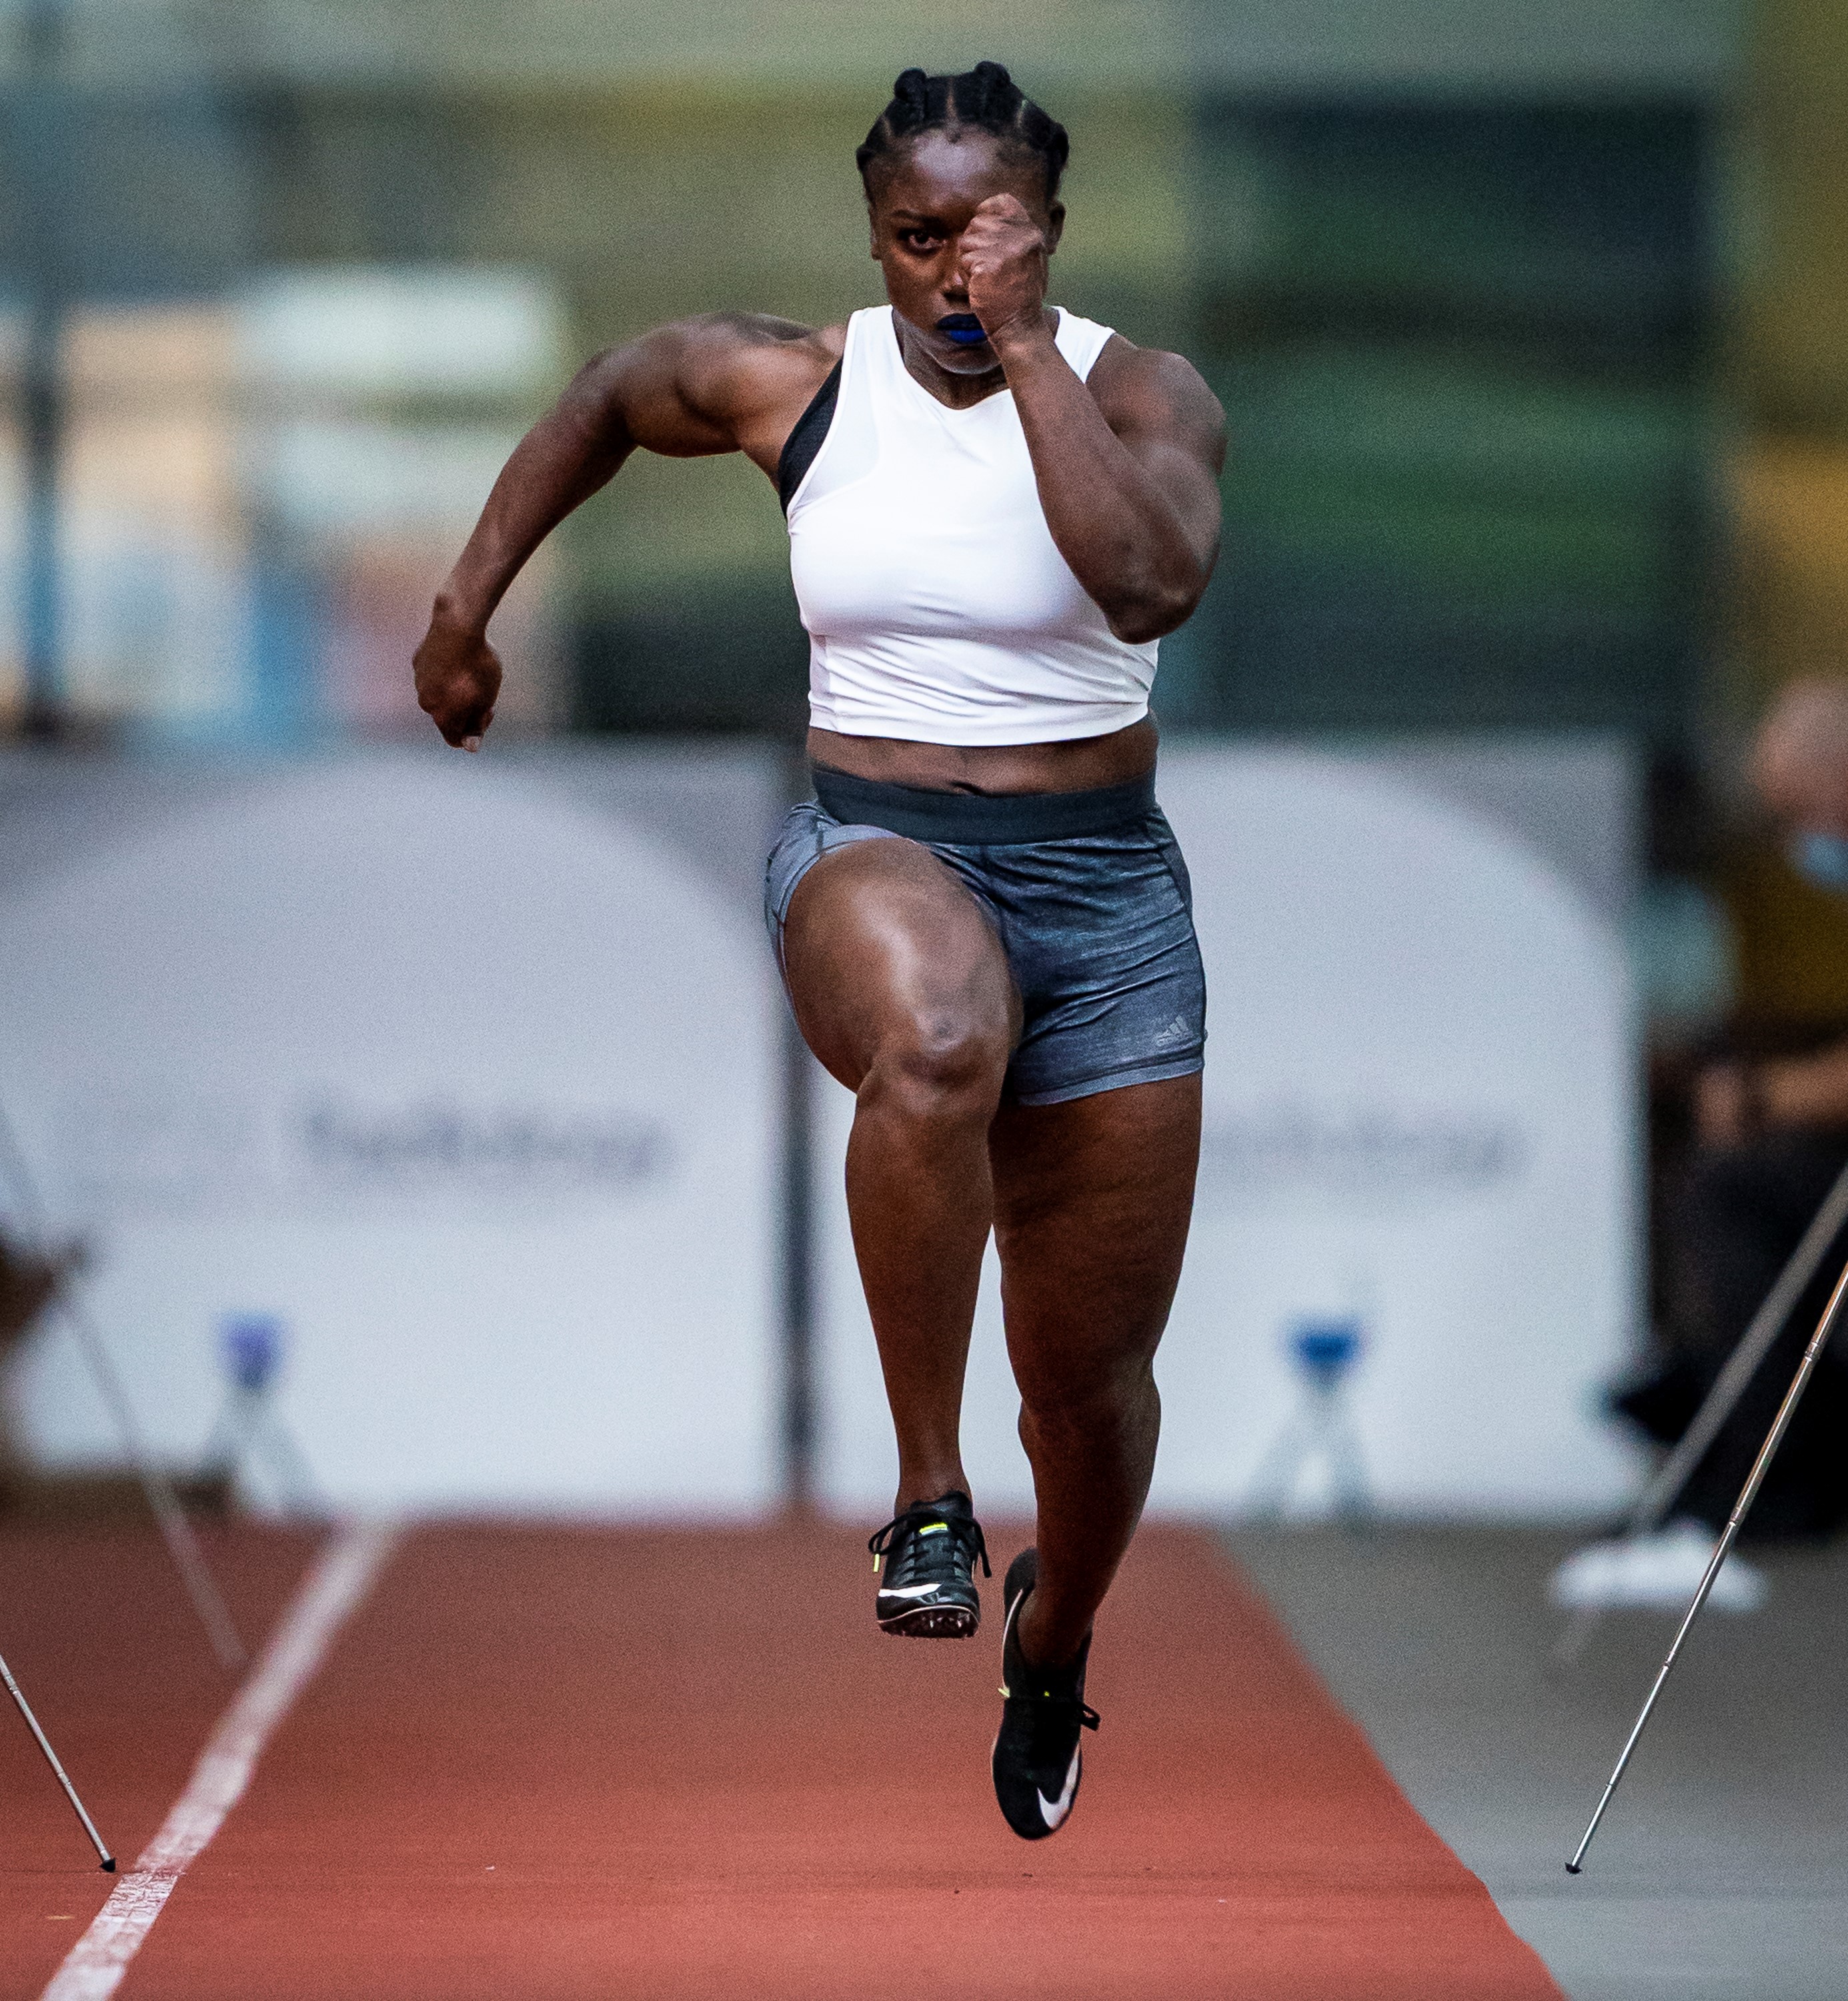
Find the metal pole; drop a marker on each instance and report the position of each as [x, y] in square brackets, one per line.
[800, 1249]
[176, 1530]
[107, 1861]
[799, 1272]
[1787, 1410]
[42, 166]
[1664, 1488]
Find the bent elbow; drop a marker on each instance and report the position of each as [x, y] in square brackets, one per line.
[1152, 617]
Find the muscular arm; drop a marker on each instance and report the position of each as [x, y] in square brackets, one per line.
[715, 385]
[1128, 464]
[1128, 471]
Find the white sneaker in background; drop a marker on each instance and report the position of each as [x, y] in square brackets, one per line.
[1662, 1570]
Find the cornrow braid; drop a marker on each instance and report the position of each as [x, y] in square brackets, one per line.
[985, 98]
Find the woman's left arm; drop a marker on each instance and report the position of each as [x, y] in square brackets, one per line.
[1128, 463]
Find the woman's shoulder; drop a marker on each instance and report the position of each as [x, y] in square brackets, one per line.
[749, 338]
[1140, 382]
[741, 362]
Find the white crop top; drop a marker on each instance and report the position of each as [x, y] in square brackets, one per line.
[938, 607]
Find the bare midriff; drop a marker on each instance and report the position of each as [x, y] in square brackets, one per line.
[1082, 764]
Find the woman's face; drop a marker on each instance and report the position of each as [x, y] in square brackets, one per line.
[922, 198]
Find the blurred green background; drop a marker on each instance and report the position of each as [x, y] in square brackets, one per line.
[1461, 279]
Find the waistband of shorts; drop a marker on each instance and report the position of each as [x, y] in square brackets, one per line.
[983, 820]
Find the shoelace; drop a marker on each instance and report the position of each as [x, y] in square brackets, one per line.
[1053, 1714]
[1052, 1726]
[912, 1553]
[1050, 1708]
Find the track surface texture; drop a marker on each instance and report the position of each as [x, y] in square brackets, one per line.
[545, 1763]
[98, 1629]
[1720, 1874]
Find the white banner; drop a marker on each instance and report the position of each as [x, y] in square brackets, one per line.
[1420, 1129]
[466, 1076]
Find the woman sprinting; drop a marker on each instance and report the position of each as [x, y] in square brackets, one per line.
[996, 509]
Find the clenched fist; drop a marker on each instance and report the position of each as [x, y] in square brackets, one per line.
[458, 680]
[1003, 266]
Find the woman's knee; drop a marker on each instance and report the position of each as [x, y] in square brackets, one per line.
[1088, 1394]
[944, 1066]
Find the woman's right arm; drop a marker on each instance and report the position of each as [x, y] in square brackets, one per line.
[680, 391]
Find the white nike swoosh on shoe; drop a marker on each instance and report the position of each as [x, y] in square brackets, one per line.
[1053, 1811]
[910, 1591]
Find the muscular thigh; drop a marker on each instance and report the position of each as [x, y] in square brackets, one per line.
[1092, 1200]
[882, 943]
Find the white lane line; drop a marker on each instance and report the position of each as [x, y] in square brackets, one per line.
[342, 1573]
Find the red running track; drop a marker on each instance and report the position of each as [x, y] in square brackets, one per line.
[545, 1764]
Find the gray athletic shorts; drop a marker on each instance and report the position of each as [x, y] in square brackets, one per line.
[1089, 896]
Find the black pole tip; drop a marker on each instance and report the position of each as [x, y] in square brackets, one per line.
[108, 1863]
[1572, 1869]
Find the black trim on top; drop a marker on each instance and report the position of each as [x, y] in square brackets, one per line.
[806, 441]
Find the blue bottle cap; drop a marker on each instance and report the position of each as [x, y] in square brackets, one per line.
[1326, 1348]
[251, 1344]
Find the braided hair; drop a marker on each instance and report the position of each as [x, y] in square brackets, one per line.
[985, 98]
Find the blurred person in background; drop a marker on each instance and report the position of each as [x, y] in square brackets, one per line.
[996, 509]
[28, 1282]
[1770, 1138]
